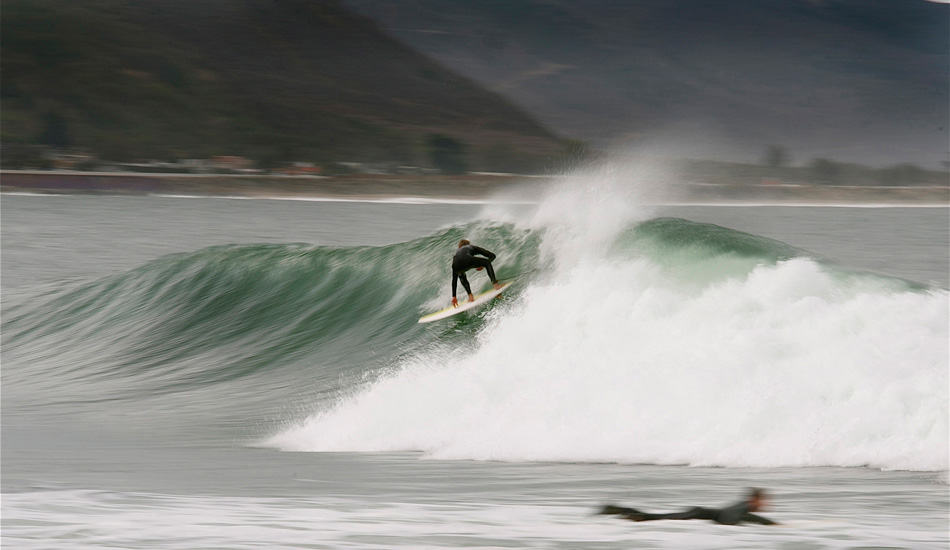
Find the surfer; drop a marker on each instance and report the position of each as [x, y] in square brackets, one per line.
[466, 257]
[740, 512]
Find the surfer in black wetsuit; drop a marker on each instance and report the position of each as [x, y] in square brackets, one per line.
[740, 512]
[466, 257]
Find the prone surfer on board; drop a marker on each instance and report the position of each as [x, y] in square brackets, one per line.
[740, 512]
[466, 257]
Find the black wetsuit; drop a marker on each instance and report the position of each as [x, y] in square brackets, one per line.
[730, 515]
[467, 257]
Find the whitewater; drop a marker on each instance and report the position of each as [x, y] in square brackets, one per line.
[663, 341]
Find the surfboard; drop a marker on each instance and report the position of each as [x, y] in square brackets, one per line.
[480, 300]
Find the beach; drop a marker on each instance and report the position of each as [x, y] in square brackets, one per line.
[461, 187]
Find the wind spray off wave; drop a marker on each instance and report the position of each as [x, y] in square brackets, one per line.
[672, 342]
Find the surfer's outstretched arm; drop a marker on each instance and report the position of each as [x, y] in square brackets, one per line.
[460, 276]
[455, 284]
[611, 510]
[468, 287]
[753, 518]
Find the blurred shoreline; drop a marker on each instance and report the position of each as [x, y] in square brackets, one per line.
[466, 187]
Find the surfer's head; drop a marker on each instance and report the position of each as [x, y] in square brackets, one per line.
[463, 242]
[756, 498]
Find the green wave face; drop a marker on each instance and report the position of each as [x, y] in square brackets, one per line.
[253, 325]
[677, 238]
[225, 314]
[700, 253]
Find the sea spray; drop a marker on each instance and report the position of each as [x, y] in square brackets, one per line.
[581, 213]
[781, 368]
[670, 342]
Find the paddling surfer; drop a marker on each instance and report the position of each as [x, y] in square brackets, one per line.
[466, 257]
[740, 512]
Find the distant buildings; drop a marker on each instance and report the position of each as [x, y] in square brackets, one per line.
[75, 160]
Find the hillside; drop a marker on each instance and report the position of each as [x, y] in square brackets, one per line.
[271, 80]
[857, 80]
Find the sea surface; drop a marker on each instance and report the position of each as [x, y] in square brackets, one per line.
[183, 372]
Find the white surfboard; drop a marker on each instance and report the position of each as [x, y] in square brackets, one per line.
[465, 305]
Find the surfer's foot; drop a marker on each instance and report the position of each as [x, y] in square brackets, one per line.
[497, 286]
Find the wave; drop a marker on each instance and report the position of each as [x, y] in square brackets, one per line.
[254, 314]
[626, 338]
[786, 365]
[666, 341]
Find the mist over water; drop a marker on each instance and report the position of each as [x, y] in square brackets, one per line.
[664, 341]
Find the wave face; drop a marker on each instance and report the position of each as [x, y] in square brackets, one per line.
[248, 318]
[671, 342]
[625, 338]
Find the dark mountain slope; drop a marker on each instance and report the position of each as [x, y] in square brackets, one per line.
[862, 80]
[284, 79]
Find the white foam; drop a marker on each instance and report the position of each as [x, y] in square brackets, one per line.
[782, 368]
[620, 359]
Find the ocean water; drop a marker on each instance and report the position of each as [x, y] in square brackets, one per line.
[183, 372]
